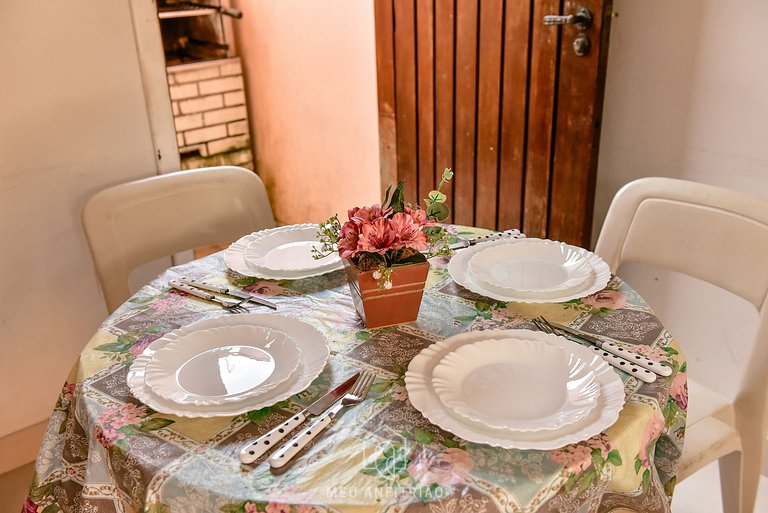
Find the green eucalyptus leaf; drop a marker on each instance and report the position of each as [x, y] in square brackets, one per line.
[436, 197]
[447, 174]
[439, 211]
[638, 464]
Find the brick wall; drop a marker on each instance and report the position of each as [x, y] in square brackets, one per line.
[210, 114]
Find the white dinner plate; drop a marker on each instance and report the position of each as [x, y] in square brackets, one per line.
[533, 267]
[418, 382]
[559, 384]
[458, 268]
[224, 364]
[311, 343]
[234, 257]
[288, 250]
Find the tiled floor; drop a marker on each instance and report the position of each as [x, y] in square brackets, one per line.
[700, 493]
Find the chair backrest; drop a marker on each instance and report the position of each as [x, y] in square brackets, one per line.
[138, 222]
[714, 234]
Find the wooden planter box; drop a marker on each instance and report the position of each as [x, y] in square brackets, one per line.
[386, 307]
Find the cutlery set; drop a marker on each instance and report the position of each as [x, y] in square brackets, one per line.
[208, 292]
[351, 392]
[632, 363]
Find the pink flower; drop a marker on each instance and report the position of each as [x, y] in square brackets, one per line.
[251, 508]
[305, 508]
[29, 506]
[360, 215]
[679, 390]
[611, 299]
[408, 232]
[419, 217]
[348, 240]
[650, 434]
[377, 237]
[447, 468]
[278, 507]
[265, 288]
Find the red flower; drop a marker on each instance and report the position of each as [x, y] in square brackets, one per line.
[408, 231]
[377, 237]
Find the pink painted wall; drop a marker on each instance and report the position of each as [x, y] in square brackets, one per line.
[310, 68]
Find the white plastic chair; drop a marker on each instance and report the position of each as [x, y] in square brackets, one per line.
[721, 237]
[138, 222]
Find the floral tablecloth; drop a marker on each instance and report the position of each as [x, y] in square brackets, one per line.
[104, 451]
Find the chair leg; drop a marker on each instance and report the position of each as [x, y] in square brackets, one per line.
[731, 482]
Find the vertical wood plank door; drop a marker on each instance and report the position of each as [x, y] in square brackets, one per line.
[486, 88]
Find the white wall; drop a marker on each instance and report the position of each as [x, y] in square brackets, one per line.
[310, 70]
[686, 98]
[73, 120]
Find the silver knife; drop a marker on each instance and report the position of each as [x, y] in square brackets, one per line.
[258, 447]
[228, 291]
[642, 361]
[506, 234]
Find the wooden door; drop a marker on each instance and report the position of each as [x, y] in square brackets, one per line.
[486, 88]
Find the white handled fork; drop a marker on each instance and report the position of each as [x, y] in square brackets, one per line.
[355, 396]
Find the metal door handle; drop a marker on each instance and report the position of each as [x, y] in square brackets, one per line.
[582, 19]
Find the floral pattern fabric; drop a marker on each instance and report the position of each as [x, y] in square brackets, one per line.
[104, 451]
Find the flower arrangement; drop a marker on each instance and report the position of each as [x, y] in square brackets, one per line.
[381, 237]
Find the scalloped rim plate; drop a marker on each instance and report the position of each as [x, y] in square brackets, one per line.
[311, 343]
[224, 364]
[560, 386]
[457, 268]
[288, 250]
[418, 382]
[531, 267]
[234, 257]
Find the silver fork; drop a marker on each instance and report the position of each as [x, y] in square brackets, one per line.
[354, 397]
[618, 362]
[230, 306]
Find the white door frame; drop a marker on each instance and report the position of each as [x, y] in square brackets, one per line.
[149, 46]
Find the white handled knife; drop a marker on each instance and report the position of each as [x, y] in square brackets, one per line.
[229, 291]
[258, 447]
[506, 234]
[610, 347]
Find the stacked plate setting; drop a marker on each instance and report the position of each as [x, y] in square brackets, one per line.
[515, 389]
[228, 365]
[529, 271]
[282, 253]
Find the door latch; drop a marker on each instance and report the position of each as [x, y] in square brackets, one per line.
[582, 19]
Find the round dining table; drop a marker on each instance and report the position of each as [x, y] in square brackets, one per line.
[105, 451]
